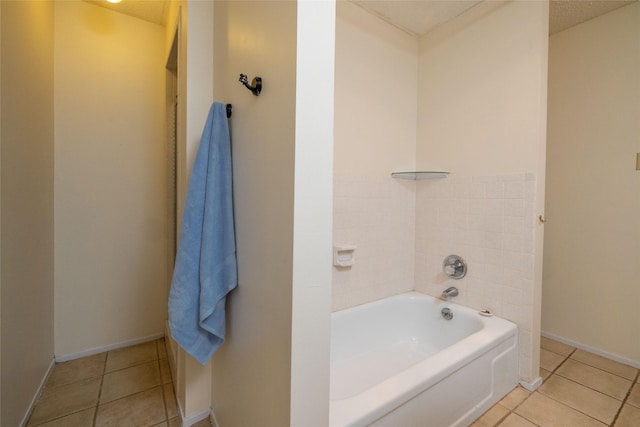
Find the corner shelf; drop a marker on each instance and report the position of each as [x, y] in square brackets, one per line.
[419, 175]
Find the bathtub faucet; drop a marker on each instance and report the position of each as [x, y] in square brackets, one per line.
[450, 292]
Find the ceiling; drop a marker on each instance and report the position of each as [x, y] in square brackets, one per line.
[149, 10]
[565, 14]
[415, 17]
[420, 17]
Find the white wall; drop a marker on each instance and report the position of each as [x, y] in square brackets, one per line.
[0, 210]
[252, 370]
[481, 78]
[592, 252]
[192, 22]
[375, 134]
[375, 95]
[313, 212]
[26, 134]
[481, 116]
[110, 179]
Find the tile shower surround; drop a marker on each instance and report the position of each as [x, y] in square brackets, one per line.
[404, 229]
[378, 216]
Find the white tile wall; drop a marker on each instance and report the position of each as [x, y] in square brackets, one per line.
[403, 231]
[378, 216]
[489, 221]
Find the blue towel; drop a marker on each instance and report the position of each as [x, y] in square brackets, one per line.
[206, 269]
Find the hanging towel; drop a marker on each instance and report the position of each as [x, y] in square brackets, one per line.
[206, 269]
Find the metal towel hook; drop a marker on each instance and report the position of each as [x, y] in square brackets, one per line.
[256, 85]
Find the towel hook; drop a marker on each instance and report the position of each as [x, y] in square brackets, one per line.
[256, 85]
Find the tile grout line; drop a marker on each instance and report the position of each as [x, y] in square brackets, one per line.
[104, 370]
[602, 369]
[164, 397]
[624, 400]
[500, 420]
[513, 411]
[568, 379]
[567, 357]
[572, 408]
[510, 411]
[626, 397]
[588, 388]
[554, 372]
[53, 388]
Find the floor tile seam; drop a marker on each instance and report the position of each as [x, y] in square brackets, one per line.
[626, 398]
[130, 366]
[636, 383]
[519, 415]
[576, 409]
[605, 370]
[66, 414]
[62, 416]
[129, 396]
[594, 389]
[553, 371]
[104, 369]
[52, 392]
[514, 409]
[156, 382]
[164, 397]
[590, 388]
[52, 388]
[559, 354]
[164, 403]
[501, 419]
[522, 403]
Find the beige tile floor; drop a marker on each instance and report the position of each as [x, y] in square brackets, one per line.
[130, 386]
[579, 389]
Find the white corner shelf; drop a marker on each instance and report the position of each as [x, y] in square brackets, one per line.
[419, 175]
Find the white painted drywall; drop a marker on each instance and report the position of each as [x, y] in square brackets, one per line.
[313, 213]
[252, 371]
[480, 106]
[110, 178]
[591, 289]
[376, 99]
[375, 96]
[482, 112]
[26, 132]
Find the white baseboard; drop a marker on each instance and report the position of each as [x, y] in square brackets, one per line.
[214, 421]
[37, 394]
[612, 356]
[102, 349]
[191, 420]
[531, 386]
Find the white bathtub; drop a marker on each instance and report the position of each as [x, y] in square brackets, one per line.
[397, 362]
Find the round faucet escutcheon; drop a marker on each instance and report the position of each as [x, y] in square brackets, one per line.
[454, 267]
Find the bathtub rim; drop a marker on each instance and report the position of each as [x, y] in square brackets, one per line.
[393, 392]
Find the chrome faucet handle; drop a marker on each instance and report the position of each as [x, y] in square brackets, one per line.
[454, 267]
[450, 269]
